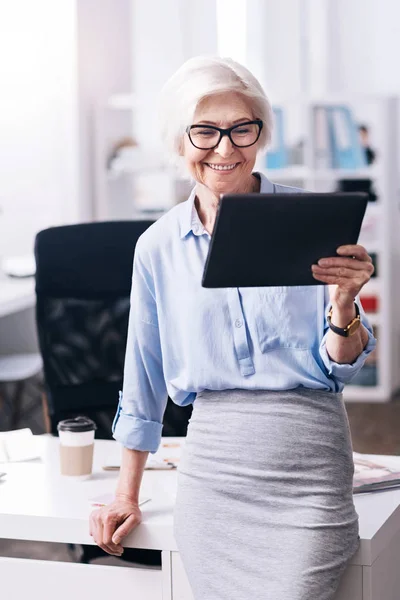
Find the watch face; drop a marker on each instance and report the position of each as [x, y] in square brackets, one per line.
[353, 327]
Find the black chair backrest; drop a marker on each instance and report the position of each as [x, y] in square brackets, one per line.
[83, 281]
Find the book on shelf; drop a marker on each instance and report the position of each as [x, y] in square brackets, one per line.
[374, 472]
[347, 152]
[321, 134]
[336, 139]
[370, 303]
[374, 258]
[362, 184]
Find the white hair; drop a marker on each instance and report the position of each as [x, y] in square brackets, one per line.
[199, 78]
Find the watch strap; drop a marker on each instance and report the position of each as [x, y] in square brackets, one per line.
[349, 329]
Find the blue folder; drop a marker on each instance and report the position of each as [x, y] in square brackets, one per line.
[347, 152]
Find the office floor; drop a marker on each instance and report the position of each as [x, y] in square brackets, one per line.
[375, 429]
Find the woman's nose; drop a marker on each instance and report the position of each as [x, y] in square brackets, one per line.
[225, 147]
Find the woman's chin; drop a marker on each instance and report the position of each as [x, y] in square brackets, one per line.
[222, 187]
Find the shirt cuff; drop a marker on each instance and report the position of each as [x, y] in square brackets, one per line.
[135, 433]
[345, 372]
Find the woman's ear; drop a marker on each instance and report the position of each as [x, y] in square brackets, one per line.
[181, 147]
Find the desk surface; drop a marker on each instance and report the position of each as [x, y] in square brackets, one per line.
[16, 294]
[37, 503]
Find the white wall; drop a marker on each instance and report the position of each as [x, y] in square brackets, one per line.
[38, 120]
[104, 68]
[329, 46]
[164, 35]
[365, 46]
[274, 45]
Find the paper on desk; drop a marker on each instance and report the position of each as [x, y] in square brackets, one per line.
[18, 445]
[166, 457]
[375, 472]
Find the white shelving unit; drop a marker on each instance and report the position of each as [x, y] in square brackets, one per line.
[381, 226]
[129, 186]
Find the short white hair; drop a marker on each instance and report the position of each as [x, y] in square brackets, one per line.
[199, 78]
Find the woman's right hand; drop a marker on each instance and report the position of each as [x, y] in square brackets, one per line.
[110, 524]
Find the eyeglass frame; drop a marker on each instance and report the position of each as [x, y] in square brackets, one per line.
[227, 132]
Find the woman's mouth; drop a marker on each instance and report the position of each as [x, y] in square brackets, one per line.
[222, 167]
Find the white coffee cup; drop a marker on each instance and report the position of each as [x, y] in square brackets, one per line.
[76, 446]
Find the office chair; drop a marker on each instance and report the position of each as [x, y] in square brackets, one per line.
[83, 282]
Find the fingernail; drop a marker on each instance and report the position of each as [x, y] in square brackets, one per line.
[323, 262]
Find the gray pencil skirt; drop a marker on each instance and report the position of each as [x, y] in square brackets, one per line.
[264, 507]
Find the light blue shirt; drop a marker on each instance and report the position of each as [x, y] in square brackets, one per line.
[183, 338]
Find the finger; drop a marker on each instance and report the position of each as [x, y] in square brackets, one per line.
[91, 525]
[326, 279]
[354, 250]
[109, 526]
[349, 263]
[342, 273]
[97, 530]
[125, 528]
[349, 286]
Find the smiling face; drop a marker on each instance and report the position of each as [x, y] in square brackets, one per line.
[226, 168]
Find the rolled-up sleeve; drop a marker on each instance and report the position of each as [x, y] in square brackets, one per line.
[138, 421]
[344, 373]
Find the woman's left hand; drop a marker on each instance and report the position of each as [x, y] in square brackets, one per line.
[344, 275]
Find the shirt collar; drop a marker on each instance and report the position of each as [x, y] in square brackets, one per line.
[189, 218]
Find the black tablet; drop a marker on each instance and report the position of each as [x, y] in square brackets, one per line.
[273, 239]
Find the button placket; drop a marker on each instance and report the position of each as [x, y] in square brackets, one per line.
[246, 365]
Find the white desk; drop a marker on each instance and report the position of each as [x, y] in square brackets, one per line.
[36, 503]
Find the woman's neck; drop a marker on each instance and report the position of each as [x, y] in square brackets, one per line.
[206, 202]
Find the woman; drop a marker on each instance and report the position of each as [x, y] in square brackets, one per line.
[264, 506]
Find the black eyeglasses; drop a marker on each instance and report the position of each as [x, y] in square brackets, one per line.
[207, 137]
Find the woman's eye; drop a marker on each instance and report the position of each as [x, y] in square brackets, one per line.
[242, 130]
[206, 132]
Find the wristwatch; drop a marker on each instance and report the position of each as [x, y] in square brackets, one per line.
[350, 329]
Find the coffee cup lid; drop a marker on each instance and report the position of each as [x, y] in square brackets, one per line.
[77, 424]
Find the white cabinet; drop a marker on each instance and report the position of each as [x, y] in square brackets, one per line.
[45, 579]
[181, 589]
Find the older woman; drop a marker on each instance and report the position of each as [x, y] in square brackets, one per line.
[264, 506]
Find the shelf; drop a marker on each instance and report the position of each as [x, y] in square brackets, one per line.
[334, 174]
[361, 393]
[122, 102]
[293, 173]
[373, 286]
[123, 170]
[375, 319]
[302, 172]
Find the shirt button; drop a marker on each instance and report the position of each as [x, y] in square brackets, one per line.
[238, 323]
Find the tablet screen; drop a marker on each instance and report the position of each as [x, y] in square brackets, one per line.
[273, 239]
